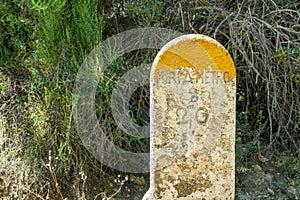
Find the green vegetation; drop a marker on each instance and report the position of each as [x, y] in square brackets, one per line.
[43, 43]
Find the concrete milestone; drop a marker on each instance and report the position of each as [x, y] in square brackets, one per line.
[192, 114]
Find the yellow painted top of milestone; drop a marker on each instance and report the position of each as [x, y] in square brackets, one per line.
[194, 51]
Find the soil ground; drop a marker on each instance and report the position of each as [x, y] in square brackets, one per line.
[257, 177]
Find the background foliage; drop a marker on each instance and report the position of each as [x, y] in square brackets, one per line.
[43, 43]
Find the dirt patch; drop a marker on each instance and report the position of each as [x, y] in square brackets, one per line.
[258, 176]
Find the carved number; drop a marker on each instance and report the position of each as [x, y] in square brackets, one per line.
[181, 113]
[201, 115]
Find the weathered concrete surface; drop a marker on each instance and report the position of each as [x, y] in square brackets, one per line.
[192, 113]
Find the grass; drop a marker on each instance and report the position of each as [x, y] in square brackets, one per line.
[66, 33]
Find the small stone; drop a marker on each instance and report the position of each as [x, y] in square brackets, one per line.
[271, 192]
[256, 167]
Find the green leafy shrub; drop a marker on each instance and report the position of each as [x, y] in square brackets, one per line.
[16, 29]
[64, 33]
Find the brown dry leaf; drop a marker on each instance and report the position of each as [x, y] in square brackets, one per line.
[263, 159]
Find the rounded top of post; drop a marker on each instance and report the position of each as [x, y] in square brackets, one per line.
[196, 51]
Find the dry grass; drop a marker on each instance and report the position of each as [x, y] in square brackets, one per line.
[263, 38]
